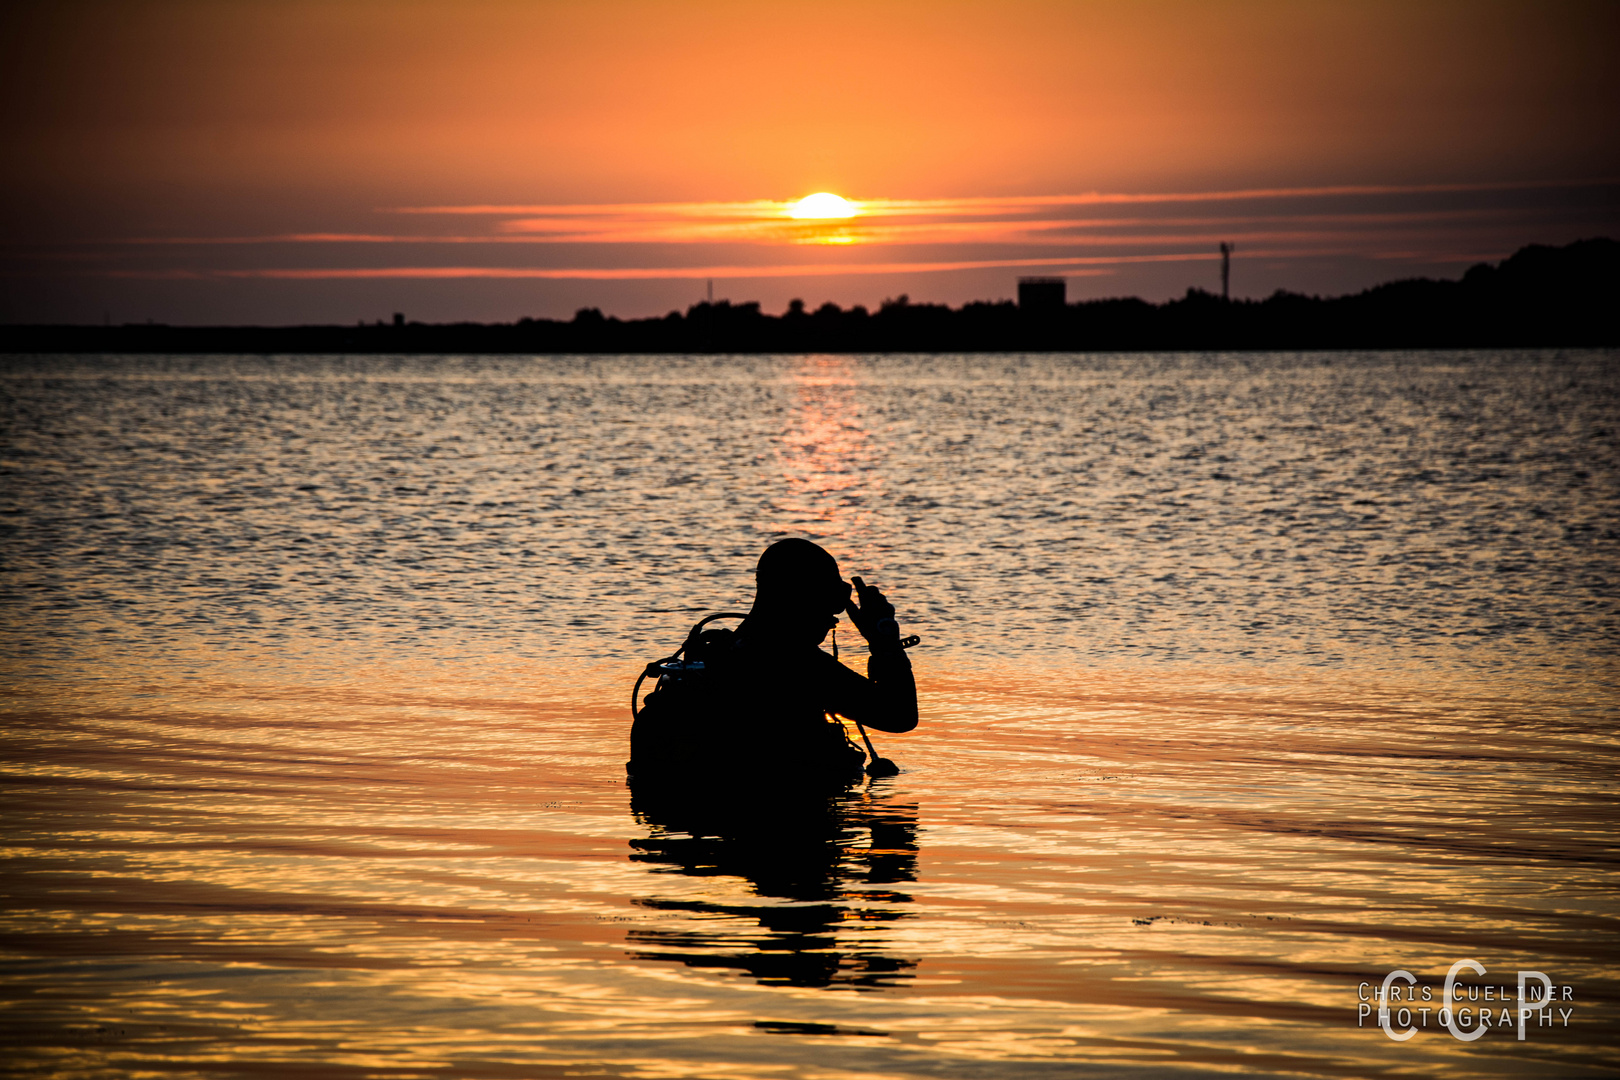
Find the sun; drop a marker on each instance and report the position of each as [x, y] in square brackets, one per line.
[823, 204]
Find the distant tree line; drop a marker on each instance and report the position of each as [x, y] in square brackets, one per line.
[1540, 296]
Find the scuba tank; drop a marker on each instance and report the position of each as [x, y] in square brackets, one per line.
[674, 729]
[665, 733]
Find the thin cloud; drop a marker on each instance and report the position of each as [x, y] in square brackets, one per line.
[1079, 266]
[1037, 220]
[1008, 204]
[1127, 231]
[627, 273]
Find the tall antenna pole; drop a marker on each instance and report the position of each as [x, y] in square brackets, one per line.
[1226, 269]
[711, 290]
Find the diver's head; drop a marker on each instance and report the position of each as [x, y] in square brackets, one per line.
[798, 586]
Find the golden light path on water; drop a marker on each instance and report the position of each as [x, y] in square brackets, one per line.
[286, 838]
[830, 475]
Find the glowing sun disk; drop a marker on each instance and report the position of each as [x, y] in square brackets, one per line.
[823, 204]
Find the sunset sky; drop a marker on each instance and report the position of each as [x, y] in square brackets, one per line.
[288, 162]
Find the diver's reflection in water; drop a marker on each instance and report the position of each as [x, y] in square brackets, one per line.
[836, 858]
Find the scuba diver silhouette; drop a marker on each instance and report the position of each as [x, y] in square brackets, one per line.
[760, 700]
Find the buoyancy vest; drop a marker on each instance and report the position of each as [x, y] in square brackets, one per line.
[700, 722]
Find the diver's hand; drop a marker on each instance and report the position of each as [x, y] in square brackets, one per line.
[874, 618]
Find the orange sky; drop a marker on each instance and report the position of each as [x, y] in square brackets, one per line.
[1384, 139]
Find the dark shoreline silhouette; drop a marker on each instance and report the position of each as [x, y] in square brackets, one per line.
[1540, 296]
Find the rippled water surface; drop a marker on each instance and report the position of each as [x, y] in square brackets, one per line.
[1246, 679]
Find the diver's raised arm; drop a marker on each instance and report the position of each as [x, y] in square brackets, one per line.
[888, 671]
[873, 616]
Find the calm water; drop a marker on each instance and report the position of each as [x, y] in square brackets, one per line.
[1246, 679]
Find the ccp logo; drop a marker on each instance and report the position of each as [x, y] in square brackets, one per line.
[1465, 1022]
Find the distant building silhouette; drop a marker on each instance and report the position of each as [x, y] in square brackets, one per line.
[1226, 269]
[399, 318]
[1042, 294]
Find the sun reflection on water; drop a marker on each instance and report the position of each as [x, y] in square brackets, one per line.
[831, 470]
